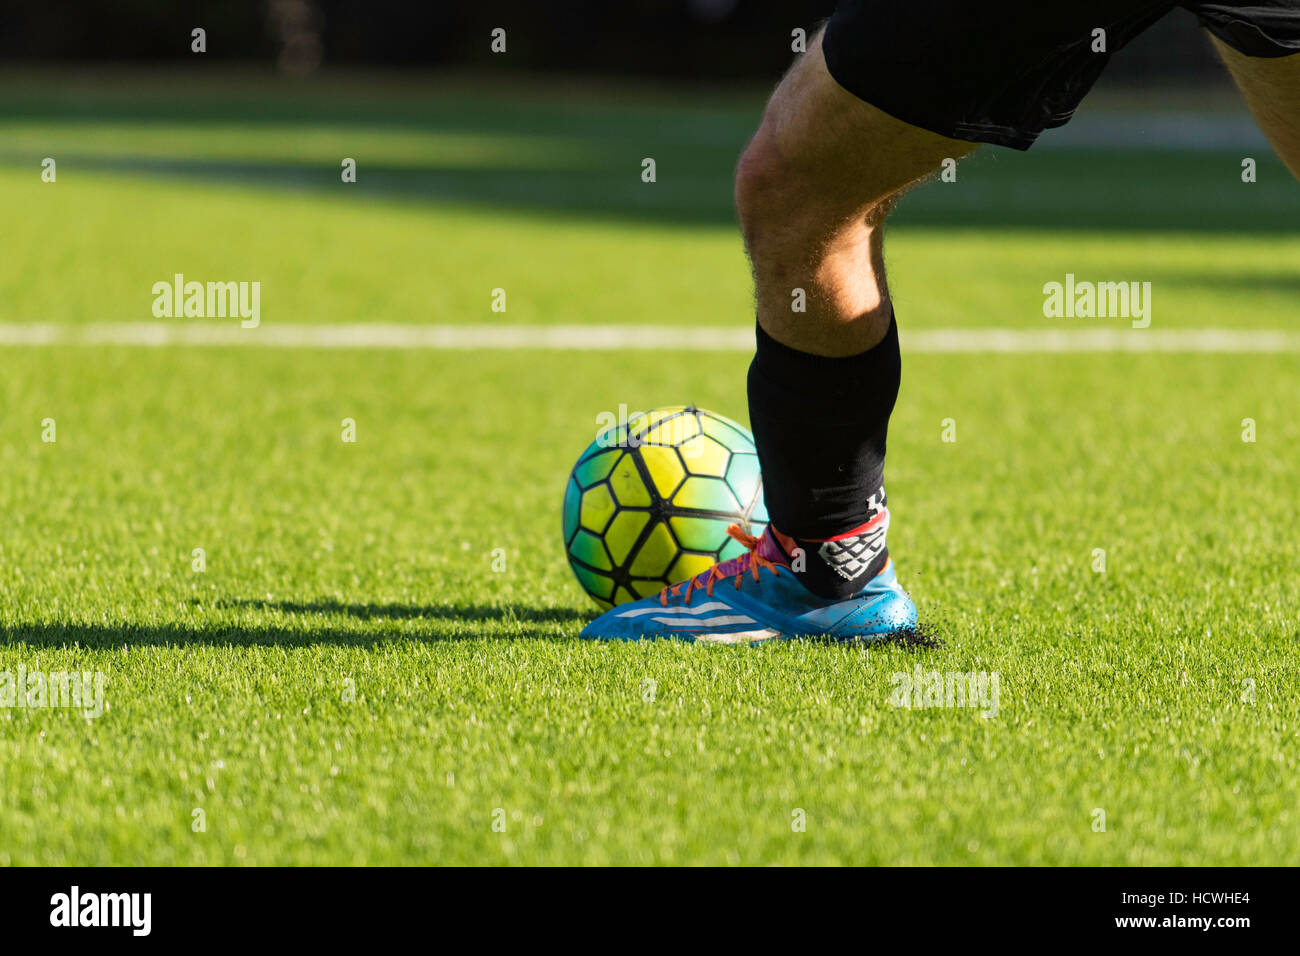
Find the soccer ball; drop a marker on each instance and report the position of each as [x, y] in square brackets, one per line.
[649, 502]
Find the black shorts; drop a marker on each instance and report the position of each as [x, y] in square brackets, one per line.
[1002, 73]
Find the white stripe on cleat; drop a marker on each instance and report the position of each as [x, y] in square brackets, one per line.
[739, 637]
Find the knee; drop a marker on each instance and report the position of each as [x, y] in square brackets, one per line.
[790, 200]
[765, 181]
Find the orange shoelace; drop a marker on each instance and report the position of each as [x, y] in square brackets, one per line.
[751, 561]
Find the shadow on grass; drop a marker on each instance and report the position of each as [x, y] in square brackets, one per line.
[455, 622]
[461, 622]
[454, 612]
[571, 151]
[1122, 191]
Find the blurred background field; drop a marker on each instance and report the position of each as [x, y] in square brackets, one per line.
[372, 562]
[522, 171]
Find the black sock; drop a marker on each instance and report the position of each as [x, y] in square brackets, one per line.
[819, 424]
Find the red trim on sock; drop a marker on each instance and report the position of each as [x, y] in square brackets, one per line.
[880, 516]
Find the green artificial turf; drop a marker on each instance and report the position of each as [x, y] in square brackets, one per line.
[351, 679]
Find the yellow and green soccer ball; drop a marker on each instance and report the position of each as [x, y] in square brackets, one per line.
[649, 502]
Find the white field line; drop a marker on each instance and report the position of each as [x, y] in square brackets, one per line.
[619, 337]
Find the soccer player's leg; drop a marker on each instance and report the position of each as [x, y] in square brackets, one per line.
[1271, 86]
[812, 190]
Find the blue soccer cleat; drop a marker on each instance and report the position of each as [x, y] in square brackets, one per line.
[757, 597]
